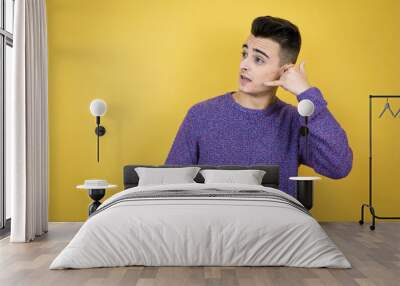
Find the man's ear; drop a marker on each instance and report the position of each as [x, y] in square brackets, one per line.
[283, 68]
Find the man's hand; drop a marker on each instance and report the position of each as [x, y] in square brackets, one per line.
[293, 79]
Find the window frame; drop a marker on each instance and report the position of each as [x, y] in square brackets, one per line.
[6, 38]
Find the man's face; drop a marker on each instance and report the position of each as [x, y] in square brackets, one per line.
[260, 63]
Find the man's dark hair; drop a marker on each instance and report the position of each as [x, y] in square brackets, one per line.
[285, 33]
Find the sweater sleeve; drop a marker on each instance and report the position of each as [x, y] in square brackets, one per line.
[184, 150]
[329, 153]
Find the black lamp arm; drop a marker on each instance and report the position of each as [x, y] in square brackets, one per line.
[100, 131]
[304, 131]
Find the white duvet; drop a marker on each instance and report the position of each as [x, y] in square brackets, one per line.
[200, 231]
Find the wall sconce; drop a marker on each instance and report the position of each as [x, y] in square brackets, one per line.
[98, 107]
[304, 185]
[305, 108]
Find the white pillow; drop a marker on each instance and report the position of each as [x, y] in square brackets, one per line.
[250, 177]
[162, 176]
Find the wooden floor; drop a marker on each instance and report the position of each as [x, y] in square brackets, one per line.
[374, 255]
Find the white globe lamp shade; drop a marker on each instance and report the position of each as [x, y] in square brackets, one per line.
[305, 107]
[98, 107]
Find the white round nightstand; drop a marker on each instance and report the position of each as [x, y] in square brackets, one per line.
[97, 190]
[304, 178]
[304, 190]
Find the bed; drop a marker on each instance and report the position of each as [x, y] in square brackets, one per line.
[199, 224]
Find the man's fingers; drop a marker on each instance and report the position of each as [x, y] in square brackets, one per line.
[273, 83]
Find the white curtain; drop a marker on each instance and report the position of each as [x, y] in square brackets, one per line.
[27, 123]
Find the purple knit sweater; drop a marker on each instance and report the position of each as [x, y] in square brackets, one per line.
[220, 131]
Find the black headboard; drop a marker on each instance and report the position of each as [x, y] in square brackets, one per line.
[270, 179]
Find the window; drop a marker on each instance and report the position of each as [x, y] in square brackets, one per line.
[6, 56]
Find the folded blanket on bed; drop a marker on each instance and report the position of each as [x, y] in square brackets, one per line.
[247, 194]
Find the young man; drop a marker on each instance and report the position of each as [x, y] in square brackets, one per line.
[253, 126]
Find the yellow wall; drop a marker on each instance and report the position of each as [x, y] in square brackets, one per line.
[151, 60]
